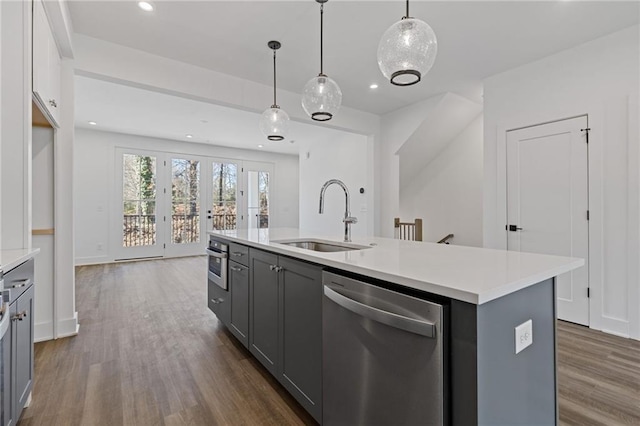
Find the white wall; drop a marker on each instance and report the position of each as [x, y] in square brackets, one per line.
[395, 128]
[599, 78]
[94, 168]
[346, 157]
[43, 218]
[447, 194]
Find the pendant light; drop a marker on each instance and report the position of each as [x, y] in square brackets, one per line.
[275, 121]
[321, 96]
[407, 51]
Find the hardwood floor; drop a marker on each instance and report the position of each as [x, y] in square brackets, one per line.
[599, 377]
[150, 352]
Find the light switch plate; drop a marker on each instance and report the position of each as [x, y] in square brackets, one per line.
[524, 335]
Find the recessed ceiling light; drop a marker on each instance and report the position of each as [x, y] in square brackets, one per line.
[188, 136]
[260, 146]
[146, 6]
[373, 86]
[93, 123]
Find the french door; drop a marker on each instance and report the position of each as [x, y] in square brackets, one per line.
[547, 203]
[138, 220]
[168, 202]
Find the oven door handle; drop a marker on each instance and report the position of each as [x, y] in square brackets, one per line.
[217, 254]
[4, 323]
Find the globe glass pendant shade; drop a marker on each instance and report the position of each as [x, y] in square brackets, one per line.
[321, 98]
[275, 123]
[407, 51]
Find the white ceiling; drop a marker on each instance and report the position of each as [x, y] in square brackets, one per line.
[475, 39]
[125, 109]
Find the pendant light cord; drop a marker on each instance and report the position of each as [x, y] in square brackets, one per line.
[321, 36]
[274, 79]
[407, 8]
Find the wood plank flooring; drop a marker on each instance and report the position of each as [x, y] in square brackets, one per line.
[150, 352]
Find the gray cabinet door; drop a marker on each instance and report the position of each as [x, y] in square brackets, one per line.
[219, 302]
[263, 308]
[239, 288]
[23, 370]
[8, 358]
[301, 333]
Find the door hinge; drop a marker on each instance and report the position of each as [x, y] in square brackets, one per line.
[165, 190]
[164, 218]
[165, 162]
[586, 133]
[242, 217]
[587, 214]
[164, 246]
[588, 292]
[242, 193]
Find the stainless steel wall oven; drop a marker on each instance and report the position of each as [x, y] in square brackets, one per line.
[218, 259]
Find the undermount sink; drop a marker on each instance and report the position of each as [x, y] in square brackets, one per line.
[322, 246]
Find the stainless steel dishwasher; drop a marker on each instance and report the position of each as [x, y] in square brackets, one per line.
[383, 356]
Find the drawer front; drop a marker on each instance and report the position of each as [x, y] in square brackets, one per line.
[18, 280]
[239, 253]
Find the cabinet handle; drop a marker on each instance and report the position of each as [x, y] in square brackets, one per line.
[21, 283]
[19, 317]
[279, 269]
[216, 301]
[53, 103]
[273, 267]
[235, 268]
[237, 253]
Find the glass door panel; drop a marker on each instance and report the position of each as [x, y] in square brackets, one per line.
[258, 199]
[184, 226]
[259, 178]
[140, 237]
[223, 209]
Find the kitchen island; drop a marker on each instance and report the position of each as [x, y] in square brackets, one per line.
[484, 294]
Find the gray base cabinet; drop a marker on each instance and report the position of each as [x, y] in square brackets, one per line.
[239, 288]
[285, 314]
[219, 302]
[17, 348]
[300, 326]
[263, 308]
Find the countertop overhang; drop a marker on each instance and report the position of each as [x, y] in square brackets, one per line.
[9, 259]
[470, 274]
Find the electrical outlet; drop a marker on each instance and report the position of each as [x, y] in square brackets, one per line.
[524, 335]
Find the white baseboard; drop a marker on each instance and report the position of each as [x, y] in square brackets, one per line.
[92, 260]
[68, 327]
[43, 331]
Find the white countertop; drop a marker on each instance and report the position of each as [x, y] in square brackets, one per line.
[9, 259]
[470, 274]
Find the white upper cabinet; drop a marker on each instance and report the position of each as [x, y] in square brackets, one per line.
[46, 65]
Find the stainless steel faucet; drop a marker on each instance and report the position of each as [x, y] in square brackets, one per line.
[348, 219]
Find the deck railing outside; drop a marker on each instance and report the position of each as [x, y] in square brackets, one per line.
[140, 229]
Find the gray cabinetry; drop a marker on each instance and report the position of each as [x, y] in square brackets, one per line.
[219, 302]
[301, 331]
[286, 324]
[263, 308]
[22, 335]
[239, 288]
[17, 347]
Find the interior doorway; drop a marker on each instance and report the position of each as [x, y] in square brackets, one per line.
[548, 203]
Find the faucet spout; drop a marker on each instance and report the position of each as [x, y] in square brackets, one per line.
[348, 219]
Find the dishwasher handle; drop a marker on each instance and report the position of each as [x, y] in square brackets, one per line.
[423, 328]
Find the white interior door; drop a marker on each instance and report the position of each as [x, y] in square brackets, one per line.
[139, 214]
[547, 203]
